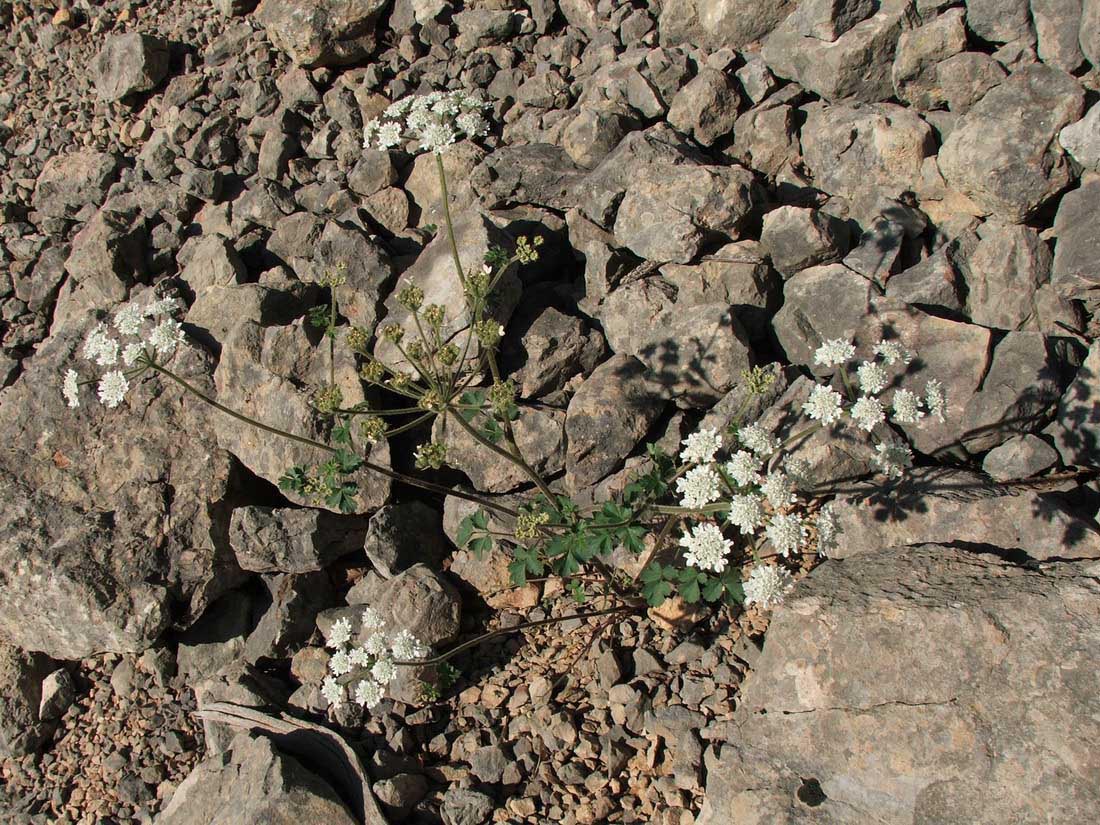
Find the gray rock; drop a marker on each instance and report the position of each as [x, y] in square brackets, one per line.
[936, 281]
[1005, 271]
[594, 132]
[966, 77]
[1089, 35]
[1076, 426]
[553, 348]
[253, 783]
[129, 63]
[478, 28]
[418, 600]
[607, 417]
[1000, 21]
[373, 172]
[1022, 456]
[848, 148]
[69, 183]
[536, 173]
[212, 262]
[604, 261]
[217, 639]
[276, 150]
[400, 794]
[288, 621]
[319, 32]
[796, 238]
[58, 694]
[1073, 272]
[719, 24]
[829, 19]
[23, 728]
[234, 8]
[108, 254]
[756, 79]
[855, 65]
[400, 535]
[540, 434]
[1003, 154]
[424, 187]
[1057, 23]
[488, 763]
[670, 218]
[462, 806]
[1082, 140]
[828, 693]
[940, 505]
[766, 139]
[920, 51]
[217, 310]
[260, 374]
[706, 108]
[820, 303]
[291, 540]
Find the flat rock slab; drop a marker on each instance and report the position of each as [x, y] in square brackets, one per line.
[920, 685]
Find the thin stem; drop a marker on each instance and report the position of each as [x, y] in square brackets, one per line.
[666, 509]
[409, 425]
[657, 545]
[813, 428]
[454, 651]
[515, 459]
[447, 218]
[309, 442]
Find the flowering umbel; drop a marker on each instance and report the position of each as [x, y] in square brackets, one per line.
[435, 121]
[364, 662]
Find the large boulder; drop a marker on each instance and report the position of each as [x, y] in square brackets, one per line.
[920, 51]
[130, 63]
[717, 24]
[292, 539]
[69, 183]
[919, 685]
[321, 32]
[1075, 272]
[1003, 153]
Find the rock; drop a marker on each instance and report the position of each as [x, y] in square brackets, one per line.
[217, 310]
[1022, 456]
[856, 65]
[595, 132]
[462, 806]
[213, 262]
[820, 303]
[288, 621]
[985, 639]
[321, 32]
[706, 108]
[424, 187]
[488, 763]
[1000, 21]
[107, 255]
[373, 172]
[1002, 154]
[551, 349]
[1082, 140]
[608, 415]
[1076, 426]
[796, 238]
[604, 261]
[400, 794]
[669, 219]
[217, 639]
[69, 183]
[291, 540]
[719, 24]
[1089, 35]
[129, 63]
[1057, 23]
[58, 695]
[536, 173]
[484, 27]
[254, 783]
[235, 8]
[1005, 271]
[937, 281]
[254, 376]
[920, 51]
[1073, 272]
[400, 535]
[23, 729]
[847, 148]
[828, 19]
[418, 600]
[539, 432]
[966, 77]
[766, 139]
[959, 506]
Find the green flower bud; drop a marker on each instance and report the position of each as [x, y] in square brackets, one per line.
[431, 455]
[358, 338]
[372, 371]
[411, 297]
[448, 354]
[488, 331]
[372, 428]
[502, 395]
[328, 399]
[434, 315]
[393, 333]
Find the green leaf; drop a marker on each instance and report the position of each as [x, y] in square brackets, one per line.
[465, 531]
[473, 398]
[652, 573]
[341, 433]
[492, 431]
[481, 546]
[481, 520]
[319, 316]
[346, 461]
[343, 498]
[526, 563]
[294, 480]
[632, 538]
[579, 596]
[656, 592]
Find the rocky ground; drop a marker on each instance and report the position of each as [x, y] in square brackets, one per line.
[720, 185]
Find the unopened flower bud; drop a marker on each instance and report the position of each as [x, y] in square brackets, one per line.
[372, 428]
[328, 399]
[411, 297]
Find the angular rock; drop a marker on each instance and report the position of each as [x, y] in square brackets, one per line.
[68, 183]
[706, 108]
[1082, 140]
[720, 24]
[819, 304]
[797, 238]
[607, 417]
[1057, 23]
[400, 535]
[1076, 427]
[213, 262]
[418, 600]
[855, 65]
[829, 19]
[129, 63]
[536, 173]
[920, 51]
[321, 32]
[539, 433]
[604, 261]
[984, 640]
[1003, 154]
[847, 148]
[253, 783]
[941, 505]
[108, 254]
[1000, 21]
[1005, 271]
[373, 172]
[462, 806]
[966, 77]
[552, 349]
[1074, 272]
[1089, 35]
[424, 187]
[671, 218]
[766, 139]
[595, 132]
[1022, 456]
[289, 620]
[22, 728]
[291, 540]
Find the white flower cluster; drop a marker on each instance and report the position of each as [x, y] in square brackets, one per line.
[156, 332]
[365, 670]
[766, 585]
[435, 120]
